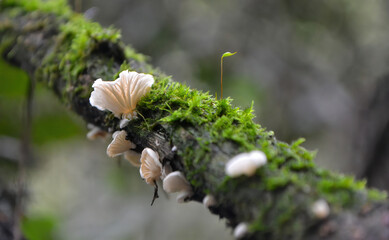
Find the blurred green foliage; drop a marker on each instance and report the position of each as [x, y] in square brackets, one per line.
[51, 120]
[39, 227]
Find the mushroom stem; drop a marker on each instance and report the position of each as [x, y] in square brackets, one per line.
[155, 193]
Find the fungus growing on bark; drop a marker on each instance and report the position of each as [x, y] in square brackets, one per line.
[320, 209]
[240, 230]
[121, 96]
[95, 132]
[133, 157]
[150, 169]
[119, 144]
[209, 201]
[176, 182]
[245, 163]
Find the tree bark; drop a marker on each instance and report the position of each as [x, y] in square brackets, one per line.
[67, 53]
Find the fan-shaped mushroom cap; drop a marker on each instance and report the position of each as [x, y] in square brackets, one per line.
[176, 182]
[119, 144]
[151, 168]
[133, 157]
[245, 163]
[121, 96]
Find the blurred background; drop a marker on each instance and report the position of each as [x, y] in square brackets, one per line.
[314, 69]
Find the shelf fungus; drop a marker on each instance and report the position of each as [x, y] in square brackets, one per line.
[245, 163]
[121, 96]
[176, 182]
[150, 169]
[119, 144]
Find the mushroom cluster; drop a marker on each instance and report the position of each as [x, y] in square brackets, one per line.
[121, 97]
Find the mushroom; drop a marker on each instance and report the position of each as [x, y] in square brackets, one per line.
[95, 132]
[121, 96]
[241, 230]
[133, 157]
[150, 169]
[174, 149]
[119, 144]
[245, 163]
[320, 209]
[176, 182]
[209, 201]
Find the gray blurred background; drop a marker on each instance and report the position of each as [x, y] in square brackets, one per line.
[314, 69]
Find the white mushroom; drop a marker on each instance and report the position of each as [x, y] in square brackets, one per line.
[133, 157]
[119, 144]
[245, 163]
[121, 96]
[241, 230]
[151, 168]
[320, 209]
[95, 132]
[209, 201]
[176, 182]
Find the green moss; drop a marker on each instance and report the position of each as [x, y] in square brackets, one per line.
[59, 7]
[376, 195]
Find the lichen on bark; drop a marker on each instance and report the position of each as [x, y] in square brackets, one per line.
[68, 53]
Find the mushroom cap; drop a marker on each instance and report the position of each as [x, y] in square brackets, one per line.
[209, 201]
[151, 168]
[245, 163]
[133, 157]
[240, 230]
[121, 96]
[320, 209]
[176, 182]
[182, 196]
[95, 132]
[119, 144]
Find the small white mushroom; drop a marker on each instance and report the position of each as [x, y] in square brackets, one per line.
[320, 209]
[174, 149]
[209, 201]
[95, 132]
[241, 230]
[133, 157]
[121, 96]
[245, 163]
[119, 144]
[176, 182]
[151, 168]
[124, 122]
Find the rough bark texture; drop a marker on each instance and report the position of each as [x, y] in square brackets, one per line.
[68, 53]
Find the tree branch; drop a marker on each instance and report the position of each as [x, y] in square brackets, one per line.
[67, 53]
